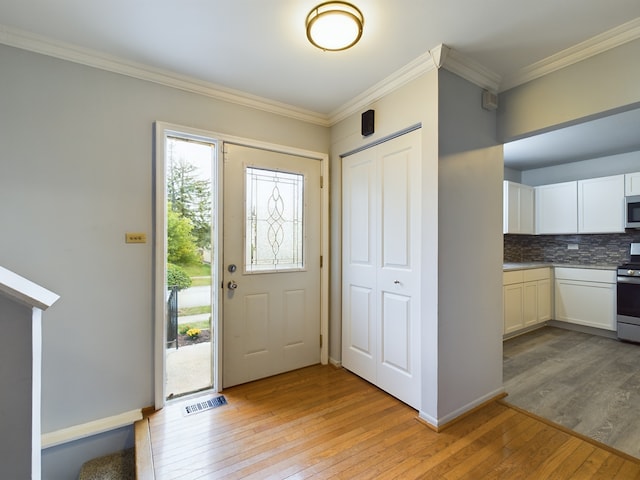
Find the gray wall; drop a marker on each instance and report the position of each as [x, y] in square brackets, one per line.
[593, 168]
[470, 248]
[591, 88]
[512, 175]
[76, 175]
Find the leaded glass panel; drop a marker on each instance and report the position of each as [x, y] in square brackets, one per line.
[274, 220]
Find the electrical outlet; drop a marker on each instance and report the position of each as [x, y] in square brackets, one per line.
[572, 246]
[135, 237]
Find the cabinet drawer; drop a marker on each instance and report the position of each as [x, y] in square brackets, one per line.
[509, 278]
[537, 274]
[586, 274]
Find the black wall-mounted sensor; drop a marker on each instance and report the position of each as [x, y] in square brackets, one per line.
[367, 123]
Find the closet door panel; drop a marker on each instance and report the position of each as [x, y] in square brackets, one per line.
[396, 330]
[399, 268]
[359, 284]
[381, 228]
[395, 209]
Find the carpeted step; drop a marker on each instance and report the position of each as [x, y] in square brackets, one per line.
[116, 466]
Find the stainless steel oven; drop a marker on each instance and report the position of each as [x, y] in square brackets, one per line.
[628, 297]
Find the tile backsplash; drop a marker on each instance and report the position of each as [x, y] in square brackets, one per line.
[593, 249]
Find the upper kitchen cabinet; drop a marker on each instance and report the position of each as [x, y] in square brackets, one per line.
[518, 208]
[601, 204]
[632, 184]
[595, 205]
[556, 208]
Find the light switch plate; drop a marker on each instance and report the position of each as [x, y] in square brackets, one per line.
[135, 237]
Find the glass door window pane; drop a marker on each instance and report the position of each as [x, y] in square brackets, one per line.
[274, 221]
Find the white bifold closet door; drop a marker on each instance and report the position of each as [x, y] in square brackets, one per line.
[381, 233]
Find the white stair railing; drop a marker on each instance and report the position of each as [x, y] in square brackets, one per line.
[21, 305]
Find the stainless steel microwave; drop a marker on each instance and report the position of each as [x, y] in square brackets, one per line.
[632, 211]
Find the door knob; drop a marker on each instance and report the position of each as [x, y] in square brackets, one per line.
[232, 285]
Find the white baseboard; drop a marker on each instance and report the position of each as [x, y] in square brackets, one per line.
[335, 363]
[438, 422]
[77, 432]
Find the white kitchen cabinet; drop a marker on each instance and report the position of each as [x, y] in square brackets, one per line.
[556, 208]
[632, 183]
[517, 208]
[586, 297]
[513, 298]
[529, 304]
[601, 205]
[545, 301]
[526, 297]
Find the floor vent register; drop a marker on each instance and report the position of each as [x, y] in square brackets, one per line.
[205, 405]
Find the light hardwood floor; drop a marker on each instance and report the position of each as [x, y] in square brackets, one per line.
[322, 422]
[584, 382]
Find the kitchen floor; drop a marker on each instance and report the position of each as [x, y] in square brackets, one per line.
[587, 383]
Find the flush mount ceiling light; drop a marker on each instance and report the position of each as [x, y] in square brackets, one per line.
[334, 26]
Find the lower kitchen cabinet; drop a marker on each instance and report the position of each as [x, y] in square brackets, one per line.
[513, 298]
[526, 298]
[586, 297]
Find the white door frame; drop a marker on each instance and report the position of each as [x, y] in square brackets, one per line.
[161, 129]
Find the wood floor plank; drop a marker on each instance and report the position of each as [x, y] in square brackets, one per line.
[284, 446]
[422, 461]
[591, 465]
[555, 460]
[321, 457]
[321, 422]
[628, 471]
[610, 467]
[493, 453]
[573, 462]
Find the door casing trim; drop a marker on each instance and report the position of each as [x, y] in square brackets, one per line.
[160, 130]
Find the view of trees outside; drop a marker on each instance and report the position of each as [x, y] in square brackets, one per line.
[189, 254]
[189, 203]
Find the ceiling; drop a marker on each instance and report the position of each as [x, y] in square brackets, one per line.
[258, 48]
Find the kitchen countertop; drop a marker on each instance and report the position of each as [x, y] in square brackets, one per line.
[508, 267]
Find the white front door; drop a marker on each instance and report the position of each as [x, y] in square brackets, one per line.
[381, 266]
[271, 263]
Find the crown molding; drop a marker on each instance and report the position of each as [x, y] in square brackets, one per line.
[615, 37]
[400, 77]
[84, 56]
[467, 68]
[441, 56]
